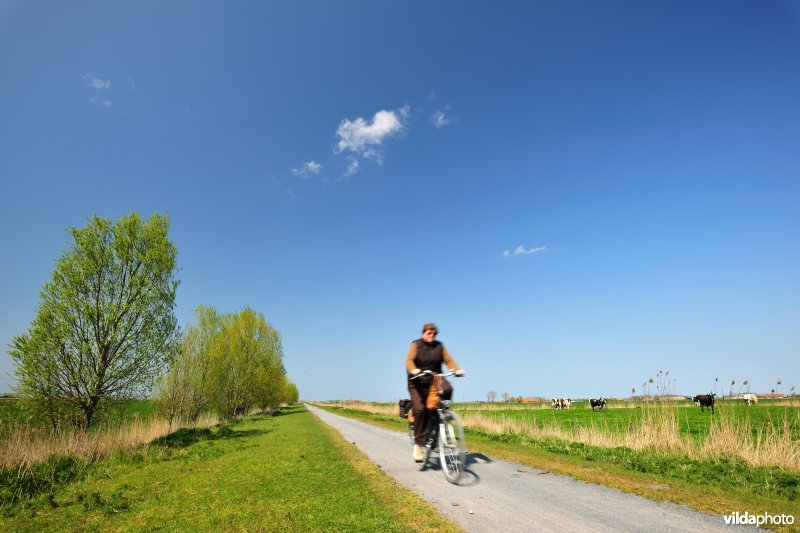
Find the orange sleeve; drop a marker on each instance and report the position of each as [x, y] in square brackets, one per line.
[448, 359]
[412, 354]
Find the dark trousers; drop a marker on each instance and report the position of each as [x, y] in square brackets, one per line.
[419, 393]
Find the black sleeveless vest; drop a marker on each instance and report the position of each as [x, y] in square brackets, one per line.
[429, 356]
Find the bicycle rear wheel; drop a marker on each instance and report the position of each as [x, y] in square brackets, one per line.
[452, 447]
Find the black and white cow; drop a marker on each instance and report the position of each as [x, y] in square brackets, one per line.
[705, 400]
[561, 403]
[598, 403]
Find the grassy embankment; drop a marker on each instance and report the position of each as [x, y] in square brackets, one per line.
[270, 472]
[668, 456]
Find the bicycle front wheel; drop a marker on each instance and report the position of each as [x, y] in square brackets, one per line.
[452, 447]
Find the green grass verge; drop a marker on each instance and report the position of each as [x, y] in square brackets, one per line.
[722, 486]
[266, 473]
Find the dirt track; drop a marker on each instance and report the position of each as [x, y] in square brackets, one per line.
[497, 495]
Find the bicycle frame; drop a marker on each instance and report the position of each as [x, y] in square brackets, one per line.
[444, 430]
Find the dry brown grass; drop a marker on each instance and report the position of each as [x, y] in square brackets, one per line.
[25, 445]
[658, 429]
[794, 401]
[378, 408]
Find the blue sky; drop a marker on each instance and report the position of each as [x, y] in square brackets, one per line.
[580, 194]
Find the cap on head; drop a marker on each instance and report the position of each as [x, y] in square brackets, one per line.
[428, 326]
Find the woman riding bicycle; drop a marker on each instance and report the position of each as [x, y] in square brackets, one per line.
[426, 353]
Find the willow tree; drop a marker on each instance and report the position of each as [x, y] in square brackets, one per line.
[229, 363]
[248, 364]
[105, 323]
[186, 390]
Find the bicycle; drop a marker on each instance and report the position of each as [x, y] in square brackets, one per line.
[446, 433]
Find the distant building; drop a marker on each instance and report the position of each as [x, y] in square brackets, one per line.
[531, 399]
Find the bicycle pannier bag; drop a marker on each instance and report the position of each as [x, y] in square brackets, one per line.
[405, 407]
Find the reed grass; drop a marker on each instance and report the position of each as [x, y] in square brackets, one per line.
[24, 445]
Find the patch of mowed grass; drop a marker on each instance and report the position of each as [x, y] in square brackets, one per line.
[721, 485]
[266, 473]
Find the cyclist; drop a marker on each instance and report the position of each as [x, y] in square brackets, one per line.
[426, 353]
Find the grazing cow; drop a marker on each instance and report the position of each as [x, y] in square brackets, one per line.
[561, 403]
[599, 403]
[705, 400]
[750, 398]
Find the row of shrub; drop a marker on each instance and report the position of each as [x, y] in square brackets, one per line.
[227, 363]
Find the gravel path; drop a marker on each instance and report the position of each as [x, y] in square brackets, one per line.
[498, 495]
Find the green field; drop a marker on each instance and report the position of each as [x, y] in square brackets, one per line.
[285, 472]
[692, 421]
[121, 412]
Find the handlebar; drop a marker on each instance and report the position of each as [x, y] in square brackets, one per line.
[432, 373]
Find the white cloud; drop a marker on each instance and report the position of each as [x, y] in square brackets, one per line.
[100, 101]
[440, 117]
[432, 95]
[521, 250]
[94, 82]
[366, 139]
[306, 169]
[352, 166]
[97, 85]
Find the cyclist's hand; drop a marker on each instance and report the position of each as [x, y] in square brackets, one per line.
[460, 373]
[415, 371]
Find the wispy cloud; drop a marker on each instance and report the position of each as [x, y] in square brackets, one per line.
[94, 82]
[366, 139]
[521, 250]
[352, 166]
[102, 102]
[441, 117]
[307, 169]
[98, 85]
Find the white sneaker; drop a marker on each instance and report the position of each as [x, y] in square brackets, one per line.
[417, 453]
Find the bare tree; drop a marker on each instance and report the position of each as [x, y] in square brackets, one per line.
[490, 396]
